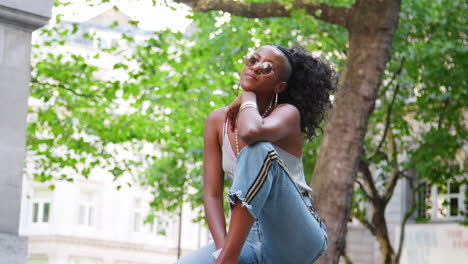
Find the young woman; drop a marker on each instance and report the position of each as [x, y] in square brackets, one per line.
[258, 142]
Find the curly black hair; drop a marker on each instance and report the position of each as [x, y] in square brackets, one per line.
[310, 85]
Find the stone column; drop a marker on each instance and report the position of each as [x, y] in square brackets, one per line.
[18, 18]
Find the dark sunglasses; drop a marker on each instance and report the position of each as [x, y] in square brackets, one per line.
[265, 67]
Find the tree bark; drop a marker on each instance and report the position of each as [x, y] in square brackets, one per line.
[371, 25]
[332, 14]
[381, 231]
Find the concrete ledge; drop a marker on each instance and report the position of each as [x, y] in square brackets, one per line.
[22, 19]
[13, 249]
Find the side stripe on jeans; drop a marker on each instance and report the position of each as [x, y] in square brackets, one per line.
[261, 177]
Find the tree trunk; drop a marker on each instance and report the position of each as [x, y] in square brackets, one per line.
[381, 232]
[371, 25]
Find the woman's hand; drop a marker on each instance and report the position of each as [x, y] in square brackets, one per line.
[233, 108]
[232, 111]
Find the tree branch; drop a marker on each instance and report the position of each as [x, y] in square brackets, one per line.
[445, 104]
[367, 175]
[366, 224]
[364, 190]
[332, 14]
[395, 173]
[61, 86]
[347, 259]
[389, 113]
[391, 186]
[406, 217]
[387, 195]
[74, 92]
[394, 76]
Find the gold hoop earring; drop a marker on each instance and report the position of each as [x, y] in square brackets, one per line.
[276, 100]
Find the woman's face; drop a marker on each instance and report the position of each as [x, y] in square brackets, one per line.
[264, 71]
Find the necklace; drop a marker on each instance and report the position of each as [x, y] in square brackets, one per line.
[237, 135]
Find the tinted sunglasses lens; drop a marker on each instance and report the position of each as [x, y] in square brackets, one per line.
[266, 68]
[250, 59]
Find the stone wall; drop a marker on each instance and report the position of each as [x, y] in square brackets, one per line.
[18, 18]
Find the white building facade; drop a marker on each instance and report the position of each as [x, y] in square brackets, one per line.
[99, 220]
[442, 240]
[90, 221]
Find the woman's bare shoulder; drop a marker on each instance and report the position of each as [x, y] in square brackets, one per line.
[216, 117]
[288, 110]
[214, 125]
[288, 107]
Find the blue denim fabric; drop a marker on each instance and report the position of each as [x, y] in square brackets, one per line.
[287, 228]
[250, 254]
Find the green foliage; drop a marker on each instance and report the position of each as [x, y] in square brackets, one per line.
[173, 81]
[179, 79]
[427, 69]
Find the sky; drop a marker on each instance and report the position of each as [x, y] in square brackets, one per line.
[151, 17]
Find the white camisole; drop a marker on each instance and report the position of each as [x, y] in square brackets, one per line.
[293, 163]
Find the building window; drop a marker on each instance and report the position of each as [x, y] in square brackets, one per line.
[444, 202]
[40, 212]
[87, 214]
[138, 220]
[450, 201]
[160, 225]
[87, 209]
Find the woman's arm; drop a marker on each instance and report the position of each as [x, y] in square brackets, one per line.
[282, 122]
[213, 179]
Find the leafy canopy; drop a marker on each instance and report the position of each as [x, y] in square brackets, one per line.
[172, 81]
